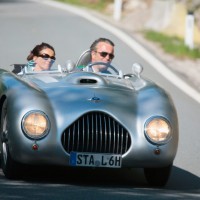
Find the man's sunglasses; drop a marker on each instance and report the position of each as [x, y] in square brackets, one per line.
[104, 54]
[46, 56]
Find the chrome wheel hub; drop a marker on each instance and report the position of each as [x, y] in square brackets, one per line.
[4, 152]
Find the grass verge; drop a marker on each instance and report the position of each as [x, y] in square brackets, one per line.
[172, 45]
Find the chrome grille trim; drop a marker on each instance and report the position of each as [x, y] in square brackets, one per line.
[96, 132]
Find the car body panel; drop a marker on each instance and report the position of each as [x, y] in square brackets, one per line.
[67, 96]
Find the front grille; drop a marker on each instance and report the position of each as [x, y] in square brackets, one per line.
[96, 132]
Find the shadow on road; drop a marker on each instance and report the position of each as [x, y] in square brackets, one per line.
[183, 180]
[56, 183]
[179, 179]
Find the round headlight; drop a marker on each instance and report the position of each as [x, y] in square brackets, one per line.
[158, 130]
[35, 124]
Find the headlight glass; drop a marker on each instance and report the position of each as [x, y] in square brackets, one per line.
[158, 130]
[35, 124]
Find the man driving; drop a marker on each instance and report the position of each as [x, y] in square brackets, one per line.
[102, 50]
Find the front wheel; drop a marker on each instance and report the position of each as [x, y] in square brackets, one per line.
[157, 176]
[9, 166]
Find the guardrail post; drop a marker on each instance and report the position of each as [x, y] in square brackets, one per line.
[117, 9]
[189, 30]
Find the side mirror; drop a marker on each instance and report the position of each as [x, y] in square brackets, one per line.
[137, 69]
[69, 66]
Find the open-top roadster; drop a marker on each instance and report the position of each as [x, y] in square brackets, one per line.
[79, 118]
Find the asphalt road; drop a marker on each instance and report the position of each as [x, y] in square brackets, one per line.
[23, 24]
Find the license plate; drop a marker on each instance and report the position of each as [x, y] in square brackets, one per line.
[95, 160]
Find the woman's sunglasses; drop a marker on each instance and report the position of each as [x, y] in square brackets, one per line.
[104, 54]
[46, 56]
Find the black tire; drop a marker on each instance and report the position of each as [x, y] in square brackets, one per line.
[157, 177]
[9, 166]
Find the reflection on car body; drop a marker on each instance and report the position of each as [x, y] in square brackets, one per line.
[83, 119]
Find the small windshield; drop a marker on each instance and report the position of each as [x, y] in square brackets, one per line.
[30, 70]
[101, 68]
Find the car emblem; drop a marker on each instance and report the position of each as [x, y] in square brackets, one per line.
[95, 99]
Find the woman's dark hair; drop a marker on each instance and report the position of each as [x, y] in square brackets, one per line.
[93, 47]
[37, 49]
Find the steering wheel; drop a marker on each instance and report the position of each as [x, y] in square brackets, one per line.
[129, 75]
[108, 65]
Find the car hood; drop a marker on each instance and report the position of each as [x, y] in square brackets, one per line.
[67, 97]
[82, 92]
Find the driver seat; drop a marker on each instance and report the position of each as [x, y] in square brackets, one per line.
[84, 59]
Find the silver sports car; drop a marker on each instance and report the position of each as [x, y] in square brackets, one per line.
[79, 118]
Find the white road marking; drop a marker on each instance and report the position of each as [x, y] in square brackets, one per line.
[146, 55]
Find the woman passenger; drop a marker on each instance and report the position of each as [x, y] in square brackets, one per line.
[41, 57]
